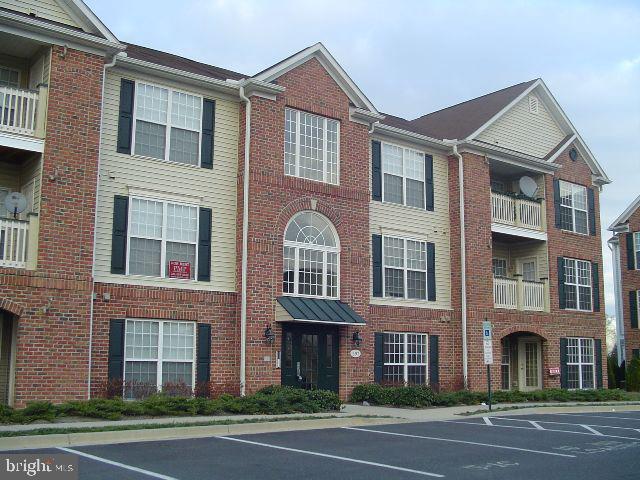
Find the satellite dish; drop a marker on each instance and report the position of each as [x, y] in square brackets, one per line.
[528, 186]
[15, 203]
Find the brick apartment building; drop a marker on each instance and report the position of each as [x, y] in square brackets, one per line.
[186, 224]
[625, 250]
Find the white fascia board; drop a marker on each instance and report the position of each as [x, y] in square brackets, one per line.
[561, 149]
[258, 88]
[400, 134]
[361, 115]
[320, 52]
[229, 87]
[508, 156]
[21, 142]
[624, 217]
[45, 32]
[518, 231]
[81, 13]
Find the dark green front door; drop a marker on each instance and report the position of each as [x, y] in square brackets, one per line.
[310, 356]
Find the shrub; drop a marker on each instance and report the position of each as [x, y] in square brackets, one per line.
[409, 396]
[632, 375]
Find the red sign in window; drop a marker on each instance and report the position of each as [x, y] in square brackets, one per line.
[179, 269]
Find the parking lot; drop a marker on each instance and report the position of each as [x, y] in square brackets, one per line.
[550, 446]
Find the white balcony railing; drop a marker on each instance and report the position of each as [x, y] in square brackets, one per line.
[515, 211]
[18, 110]
[505, 293]
[517, 294]
[14, 239]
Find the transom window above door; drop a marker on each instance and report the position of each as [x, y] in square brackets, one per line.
[311, 257]
[168, 124]
[403, 171]
[311, 146]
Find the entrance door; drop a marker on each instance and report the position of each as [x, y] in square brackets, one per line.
[310, 357]
[529, 364]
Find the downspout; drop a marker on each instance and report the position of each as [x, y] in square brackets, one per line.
[614, 246]
[245, 237]
[463, 262]
[95, 223]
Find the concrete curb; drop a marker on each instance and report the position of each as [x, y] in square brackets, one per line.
[175, 433]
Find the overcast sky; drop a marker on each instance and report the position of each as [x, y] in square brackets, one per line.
[415, 57]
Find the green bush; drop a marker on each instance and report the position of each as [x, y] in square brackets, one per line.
[409, 396]
[632, 375]
[269, 401]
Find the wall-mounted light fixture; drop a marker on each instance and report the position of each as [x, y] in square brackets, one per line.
[269, 335]
[356, 338]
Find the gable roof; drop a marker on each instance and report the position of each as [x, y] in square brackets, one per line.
[180, 63]
[320, 52]
[624, 218]
[89, 21]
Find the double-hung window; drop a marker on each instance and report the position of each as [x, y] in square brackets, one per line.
[311, 146]
[573, 208]
[404, 176]
[499, 267]
[9, 77]
[168, 124]
[405, 268]
[636, 242]
[577, 284]
[405, 358]
[580, 363]
[158, 353]
[162, 239]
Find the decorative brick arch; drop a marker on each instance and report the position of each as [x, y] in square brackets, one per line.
[522, 327]
[304, 204]
[11, 306]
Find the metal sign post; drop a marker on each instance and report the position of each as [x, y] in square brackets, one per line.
[488, 353]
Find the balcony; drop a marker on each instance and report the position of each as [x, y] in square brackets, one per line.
[17, 239]
[518, 294]
[517, 212]
[22, 111]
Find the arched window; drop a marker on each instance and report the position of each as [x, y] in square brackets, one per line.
[311, 257]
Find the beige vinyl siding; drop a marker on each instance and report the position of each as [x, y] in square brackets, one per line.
[39, 69]
[212, 188]
[32, 172]
[48, 9]
[520, 130]
[9, 176]
[409, 222]
[515, 253]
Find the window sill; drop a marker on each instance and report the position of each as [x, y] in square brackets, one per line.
[571, 232]
[577, 310]
[162, 279]
[317, 297]
[319, 182]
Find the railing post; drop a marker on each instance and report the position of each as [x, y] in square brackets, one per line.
[519, 292]
[547, 300]
[32, 243]
[517, 205]
[41, 110]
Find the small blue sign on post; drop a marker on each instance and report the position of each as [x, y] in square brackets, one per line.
[487, 343]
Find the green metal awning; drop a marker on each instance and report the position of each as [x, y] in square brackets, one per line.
[317, 310]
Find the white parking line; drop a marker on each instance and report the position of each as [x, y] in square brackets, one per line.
[545, 430]
[595, 416]
[335, 457]
[592, 430]
[467, 442]
[117, 464]
[487, 421]
[537, 424]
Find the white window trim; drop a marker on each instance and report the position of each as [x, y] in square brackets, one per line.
[578, 285]
[12, 69]
[163, 240]
[533, 260]
[507, 364]
[405, 269]
[573, 208]
[159, 358]
[167, 124]
[405, 364]
[325, 174]
[296, 280]
[506, 266]
[636, 249]
[580, 364]
[404, 176]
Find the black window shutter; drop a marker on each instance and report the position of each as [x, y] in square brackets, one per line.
[635, 353]
[208, 126]
[204, 246]
[595, 280]
[428, 182]
[125, 116]
[561, 294]
[378, 357]
[597, 347]
[591, 202]
[631, 254]
[434, 371]
[376, 170]
[376, 256]
[563, 363]
[115, 367]
[203, 353]
[431, 271]
[633, 308]
[119, 235]
[556, 202]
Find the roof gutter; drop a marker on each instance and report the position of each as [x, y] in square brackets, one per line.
[410, 136]
[614, 246]
[463, 262]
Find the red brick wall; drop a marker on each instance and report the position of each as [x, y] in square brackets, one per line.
[630, 282]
